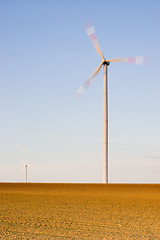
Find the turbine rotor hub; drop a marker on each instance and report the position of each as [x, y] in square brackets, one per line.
[104, 61]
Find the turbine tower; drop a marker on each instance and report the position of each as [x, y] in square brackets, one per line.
[26, 172]
[105, 63]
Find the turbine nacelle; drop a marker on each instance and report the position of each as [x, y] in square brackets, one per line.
[104, 61]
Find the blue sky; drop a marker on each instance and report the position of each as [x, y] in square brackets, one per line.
[45, 56]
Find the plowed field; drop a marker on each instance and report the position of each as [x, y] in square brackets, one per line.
[79, 211]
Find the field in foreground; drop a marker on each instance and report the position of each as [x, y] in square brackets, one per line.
[79, 211]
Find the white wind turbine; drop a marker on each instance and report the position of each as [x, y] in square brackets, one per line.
[105, 63]
[25, 168]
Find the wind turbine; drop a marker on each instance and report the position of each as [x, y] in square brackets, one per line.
[105, 63]
[25, 168]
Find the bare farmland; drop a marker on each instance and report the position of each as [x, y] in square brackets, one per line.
[79, 211]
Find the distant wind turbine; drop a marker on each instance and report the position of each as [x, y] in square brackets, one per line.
[105, 63]
[25, 168]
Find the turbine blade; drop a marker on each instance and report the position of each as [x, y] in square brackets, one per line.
[22, 170]
[140, 60]
[96, 71]
[23, 161]
[31, 165]
[87, 83]
[92, 35]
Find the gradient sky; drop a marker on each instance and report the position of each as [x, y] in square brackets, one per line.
[45, 56]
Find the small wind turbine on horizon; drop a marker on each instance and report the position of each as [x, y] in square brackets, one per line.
[25, 168]
[105, 63]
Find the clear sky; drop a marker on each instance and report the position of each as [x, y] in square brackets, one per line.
[45, 56]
